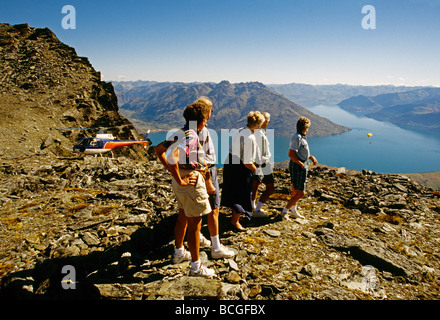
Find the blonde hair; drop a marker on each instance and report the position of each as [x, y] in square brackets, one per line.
[205, 100]
[302, 123]
[255, 119]
[266, 116]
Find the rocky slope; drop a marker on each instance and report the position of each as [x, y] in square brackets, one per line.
[46, 87]
[113, 220]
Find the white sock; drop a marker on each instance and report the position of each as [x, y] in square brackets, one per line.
[196, 265]
[215, 242]
[285, 210]
[179, 251]
[259, 205]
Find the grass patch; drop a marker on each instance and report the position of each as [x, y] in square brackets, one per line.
[256, 240]
[104, 210]
[390, 219]
[93, 192]
[79, 206]
[280, 196]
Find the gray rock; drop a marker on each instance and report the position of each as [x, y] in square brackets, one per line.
[190, 287]
[370, 252]
[272, 233]
[91, 239]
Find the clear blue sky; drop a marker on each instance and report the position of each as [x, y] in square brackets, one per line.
[271, 41]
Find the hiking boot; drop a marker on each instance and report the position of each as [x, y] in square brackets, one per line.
[223, 252]
[202, 272]
[179, 258]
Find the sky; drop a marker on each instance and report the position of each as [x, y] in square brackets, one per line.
[270, 41]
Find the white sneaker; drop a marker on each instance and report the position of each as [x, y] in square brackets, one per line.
[204, 243]
[259, 214]
[179, 258]
[295, 213]
[202, 272]
[285, 213]
[223, 252]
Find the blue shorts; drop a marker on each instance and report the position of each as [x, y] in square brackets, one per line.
[298, 176]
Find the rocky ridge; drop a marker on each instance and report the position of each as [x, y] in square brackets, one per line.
[46, 89]
[364, 236]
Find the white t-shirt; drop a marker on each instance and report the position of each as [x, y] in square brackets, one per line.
[244, 146]
[263, 146]
[208, 146]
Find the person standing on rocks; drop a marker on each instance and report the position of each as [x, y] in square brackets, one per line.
[239, 168]
[217, 249]
[264, 170]
[186, 165]
[299, 154]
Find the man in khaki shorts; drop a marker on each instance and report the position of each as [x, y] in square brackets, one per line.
[186, 164]
[194, 201]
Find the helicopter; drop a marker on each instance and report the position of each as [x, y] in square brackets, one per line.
[102, 143]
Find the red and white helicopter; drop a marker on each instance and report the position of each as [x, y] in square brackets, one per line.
[102, 143]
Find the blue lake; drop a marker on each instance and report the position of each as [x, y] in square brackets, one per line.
[391, 149]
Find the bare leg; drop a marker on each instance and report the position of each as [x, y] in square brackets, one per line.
[213, 222]
[295, 196]
[236, 219]
[270, 188]
[180, 229]
[255, 186]
[193, 237]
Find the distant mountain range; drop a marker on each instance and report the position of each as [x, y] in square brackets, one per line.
[418, 108]
[309, 95]
[159, 106]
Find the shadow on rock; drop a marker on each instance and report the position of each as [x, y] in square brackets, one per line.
[74, 278]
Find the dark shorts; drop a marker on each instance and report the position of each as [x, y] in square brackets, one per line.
[298, 176]
[214, 199]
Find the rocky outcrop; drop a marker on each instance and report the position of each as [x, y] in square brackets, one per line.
[364, 236]
[45, 87]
